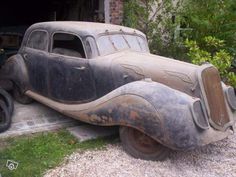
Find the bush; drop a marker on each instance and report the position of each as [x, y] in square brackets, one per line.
[214, 54]
[158, 20]
[174, 25]
[210, 18]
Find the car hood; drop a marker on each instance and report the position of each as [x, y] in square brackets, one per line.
[173, 73]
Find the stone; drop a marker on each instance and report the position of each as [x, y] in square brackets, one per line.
[35, 117]
[88, 132]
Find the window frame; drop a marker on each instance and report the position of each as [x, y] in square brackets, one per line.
[93, 46]
[70, 33]
[29, 37]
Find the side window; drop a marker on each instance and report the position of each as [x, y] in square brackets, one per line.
[38, 40]
[68, 44]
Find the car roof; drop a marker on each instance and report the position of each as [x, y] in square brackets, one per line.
[82, 28]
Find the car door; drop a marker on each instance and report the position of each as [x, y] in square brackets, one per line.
[69, 75]
[35, 55]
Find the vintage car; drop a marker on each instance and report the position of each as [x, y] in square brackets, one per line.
[104, 75]
[11, 43]
[10, 39]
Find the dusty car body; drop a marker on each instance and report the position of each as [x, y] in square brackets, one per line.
[105, 75]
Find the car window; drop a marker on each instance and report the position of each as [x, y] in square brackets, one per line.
[142, 44]
[105, 45]
[136, 42]
[119, 41]
[111, 43]
[68, 45]
[38, 40]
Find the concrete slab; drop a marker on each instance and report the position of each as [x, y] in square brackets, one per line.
[88, 132]
[34, 118]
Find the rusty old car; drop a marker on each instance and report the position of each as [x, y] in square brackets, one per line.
[105, 75]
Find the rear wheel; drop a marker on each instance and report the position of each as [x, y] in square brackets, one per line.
[5, 118]
[21, 97]
[142, 146]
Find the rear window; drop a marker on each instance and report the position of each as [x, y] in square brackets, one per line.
[38, 40]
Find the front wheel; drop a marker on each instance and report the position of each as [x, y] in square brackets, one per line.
[139, 145]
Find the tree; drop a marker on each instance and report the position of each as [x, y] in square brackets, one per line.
[210, 18]
[157, 19]
[207, 26]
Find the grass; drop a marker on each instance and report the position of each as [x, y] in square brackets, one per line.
[40, 152]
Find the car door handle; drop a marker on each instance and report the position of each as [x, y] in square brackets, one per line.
[80, 68]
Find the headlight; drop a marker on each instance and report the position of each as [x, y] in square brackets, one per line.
[231, 97]
[199, 115]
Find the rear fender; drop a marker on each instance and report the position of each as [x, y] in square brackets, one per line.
[15, 70]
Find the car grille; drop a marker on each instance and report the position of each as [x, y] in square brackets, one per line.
[215, 96]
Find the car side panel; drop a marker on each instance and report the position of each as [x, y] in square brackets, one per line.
[102, 76]
[37, 65]
[70, 79]
[109, 75]
[160, 112]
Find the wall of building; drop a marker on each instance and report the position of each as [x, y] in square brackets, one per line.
[114, 11]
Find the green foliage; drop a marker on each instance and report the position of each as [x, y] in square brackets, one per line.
[157, 19]
[215, 54]
[210, 18]
[41, 152]
[168, 26]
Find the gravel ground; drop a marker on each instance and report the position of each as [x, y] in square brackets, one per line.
[215, 160]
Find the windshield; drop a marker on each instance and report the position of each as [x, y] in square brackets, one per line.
[108, 44]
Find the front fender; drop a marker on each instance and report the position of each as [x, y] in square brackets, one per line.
[153, 108]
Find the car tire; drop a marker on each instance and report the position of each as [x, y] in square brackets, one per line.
[141, 146]
[20, 97]
[6, 97]
[5, 118]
